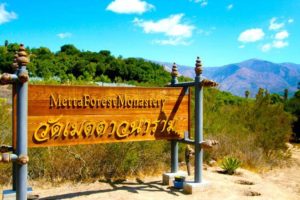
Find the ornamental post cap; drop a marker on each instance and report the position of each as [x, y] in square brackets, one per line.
[22, 59]
[15, 63]
[16, 54]
[198, 66]
[174, 72]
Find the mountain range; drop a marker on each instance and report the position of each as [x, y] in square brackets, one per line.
[249, 75]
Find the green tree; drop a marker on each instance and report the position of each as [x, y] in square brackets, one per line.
[293, 106]
[69, 49]
[247, 93]
[276, 98]
[286, 94]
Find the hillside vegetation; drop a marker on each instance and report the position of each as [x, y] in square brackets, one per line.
[253, 130]
[70, 65]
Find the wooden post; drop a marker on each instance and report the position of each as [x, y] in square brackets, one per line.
[15, 67]
[22, 110]
[198, 122]
[174, 143]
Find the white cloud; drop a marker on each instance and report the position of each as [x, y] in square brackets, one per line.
[174, 41]
[203, 3]
[279, 44]
[6, 16]
[281, 35]
[129, 6]
[64, 35]
[290, 20]
[176, 31]
[251, 35]
[266, 47]
[275, 25]
[242, 46]
[170, 26]
[230, 6]
[275, 44]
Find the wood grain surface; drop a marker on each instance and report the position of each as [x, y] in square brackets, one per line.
[71, 115]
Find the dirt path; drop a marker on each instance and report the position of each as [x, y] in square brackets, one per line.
[279, 184]
[288, 178]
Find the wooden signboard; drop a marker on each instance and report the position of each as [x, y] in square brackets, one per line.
[71, 115]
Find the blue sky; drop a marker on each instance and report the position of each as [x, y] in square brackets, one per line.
[219, 31]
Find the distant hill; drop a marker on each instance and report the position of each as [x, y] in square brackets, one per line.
[250, 75]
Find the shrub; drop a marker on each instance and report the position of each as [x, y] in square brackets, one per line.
[230, 164]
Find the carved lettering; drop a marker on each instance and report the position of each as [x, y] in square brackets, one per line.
[122, 130]
[101, 128]
[53, 101]
[136, 127]
[89, 128]
[117, 101]
[41, 133]
[71, 130]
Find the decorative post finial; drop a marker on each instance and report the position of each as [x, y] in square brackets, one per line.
[15, 65]
[174, 72]
[198, 68]
[22, 59]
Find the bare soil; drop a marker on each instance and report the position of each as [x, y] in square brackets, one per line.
[281, 184]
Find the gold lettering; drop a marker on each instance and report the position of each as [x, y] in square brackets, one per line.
[40, 135]
[69, 102]
[155, 123]
[141, 103]
[98, 103]
[164, 127]
[101, 128]
[171, 126]
[123, 126]
[93, 103]
[135, 103]
[74, 131]
[114, 127]
[103, 103]
[129, 103]
[89, 128]
[146, 103]
[148, 122]
[80, 103]
[121, 102]
[86, 101]
[136, 127]
[53, 101]
[65, 133]
[114, 102]
[153, 103]
[74, 103]
[59, 101]
[56, 130]
[53, 129]
[64, 102]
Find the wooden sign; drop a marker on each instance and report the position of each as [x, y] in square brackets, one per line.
[71, 115]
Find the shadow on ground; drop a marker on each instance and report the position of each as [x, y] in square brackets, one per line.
[130, 186]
